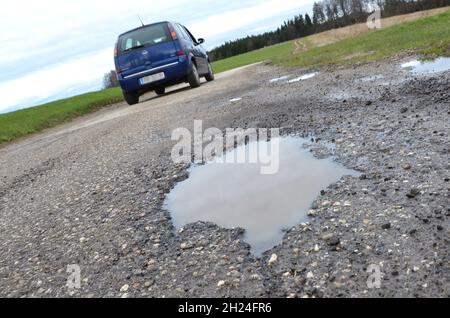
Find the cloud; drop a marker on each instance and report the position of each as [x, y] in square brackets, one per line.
[43, 41]
[236, 19]
[58, 81]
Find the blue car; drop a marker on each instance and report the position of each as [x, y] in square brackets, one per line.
[155, 56]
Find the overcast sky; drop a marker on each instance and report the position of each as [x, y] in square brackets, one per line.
[53, 49]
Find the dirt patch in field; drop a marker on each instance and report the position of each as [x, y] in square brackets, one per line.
[336, 35]
[300, 47]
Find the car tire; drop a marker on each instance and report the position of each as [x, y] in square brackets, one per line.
[160, 91]
[210, 76]
[131, 98]
[193, 77]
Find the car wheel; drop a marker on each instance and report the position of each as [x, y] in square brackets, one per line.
[210, 76]
[193, 77]
[160, 91]
[131, 98]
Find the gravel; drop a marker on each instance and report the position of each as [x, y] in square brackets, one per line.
[91, 193]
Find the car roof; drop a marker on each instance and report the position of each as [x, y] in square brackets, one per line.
[144, 26]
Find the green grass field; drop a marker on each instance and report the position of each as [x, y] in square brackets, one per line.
[23, 122]
[265, 54]
[430, 36]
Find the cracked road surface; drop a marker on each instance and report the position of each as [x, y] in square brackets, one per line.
[91, 193]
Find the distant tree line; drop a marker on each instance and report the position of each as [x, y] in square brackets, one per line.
[326, 15]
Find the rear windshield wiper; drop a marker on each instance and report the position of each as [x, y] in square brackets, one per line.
[133, 48]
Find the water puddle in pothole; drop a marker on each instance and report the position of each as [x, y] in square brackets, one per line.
[277, 79]
[238, 195]
[303, 78]
[438, 65]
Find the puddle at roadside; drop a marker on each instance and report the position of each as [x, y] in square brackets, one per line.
[303, 78]
[438, 65]
[274, 80]
[237, 195]
[294, 80]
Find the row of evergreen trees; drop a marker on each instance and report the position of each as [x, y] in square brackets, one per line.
[326, 15]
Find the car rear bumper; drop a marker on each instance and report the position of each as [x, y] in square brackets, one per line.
[174, 73]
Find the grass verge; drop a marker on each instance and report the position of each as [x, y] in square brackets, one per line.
[430, 36]
[268, 53]
[27, 121]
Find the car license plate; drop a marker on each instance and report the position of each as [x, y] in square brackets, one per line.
[152, 78]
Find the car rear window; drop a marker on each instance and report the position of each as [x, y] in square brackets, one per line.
[146, 36]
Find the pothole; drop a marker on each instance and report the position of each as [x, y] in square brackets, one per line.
[277, 79]
[438, 65]
[303, 77]
[235, 195]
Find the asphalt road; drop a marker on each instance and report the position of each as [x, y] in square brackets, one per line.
[90, 193]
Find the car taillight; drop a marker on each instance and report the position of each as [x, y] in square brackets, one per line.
[172, 31]
[181, 53]
[116, 51]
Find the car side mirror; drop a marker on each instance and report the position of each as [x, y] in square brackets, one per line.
[200, 41]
